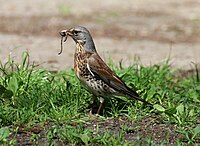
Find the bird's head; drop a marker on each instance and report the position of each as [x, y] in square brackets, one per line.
[82, 36]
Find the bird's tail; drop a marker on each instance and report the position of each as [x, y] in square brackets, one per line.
[135, 95]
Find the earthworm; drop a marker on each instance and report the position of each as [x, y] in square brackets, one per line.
[63, 35]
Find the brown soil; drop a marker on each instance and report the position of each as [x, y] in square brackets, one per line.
[147, 128]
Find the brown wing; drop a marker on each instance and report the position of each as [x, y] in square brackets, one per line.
[100, 69]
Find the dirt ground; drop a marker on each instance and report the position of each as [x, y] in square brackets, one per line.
[151, 30]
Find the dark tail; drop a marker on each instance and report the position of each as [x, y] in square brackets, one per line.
[135, 95]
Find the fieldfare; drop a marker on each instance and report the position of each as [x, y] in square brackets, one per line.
[92, 71]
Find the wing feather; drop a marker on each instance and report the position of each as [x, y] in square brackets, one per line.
[100, 69]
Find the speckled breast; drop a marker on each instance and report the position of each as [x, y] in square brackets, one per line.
[80, 61]
[92, 83]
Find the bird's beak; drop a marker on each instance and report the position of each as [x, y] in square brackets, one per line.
[70, 32]
[64, 33]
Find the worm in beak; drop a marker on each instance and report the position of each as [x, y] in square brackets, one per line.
[64, 36]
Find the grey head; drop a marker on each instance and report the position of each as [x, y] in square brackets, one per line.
[81, 35]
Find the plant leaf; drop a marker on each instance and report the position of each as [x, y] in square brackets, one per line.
[4, 133]
[5, 93]
[13, 84]
[196, 130]
[180, 109]
[159, 107]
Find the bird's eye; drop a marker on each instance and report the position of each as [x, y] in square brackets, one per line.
[75, 32]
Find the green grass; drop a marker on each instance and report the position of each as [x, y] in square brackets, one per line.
[33, 98]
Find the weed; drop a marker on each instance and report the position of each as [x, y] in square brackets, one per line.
[30, 95]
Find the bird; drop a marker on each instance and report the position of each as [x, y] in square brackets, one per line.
[92, 71]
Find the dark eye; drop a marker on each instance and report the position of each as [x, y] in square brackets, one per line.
[75, 32]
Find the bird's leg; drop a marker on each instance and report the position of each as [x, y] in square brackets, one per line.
[101, 103]
[93, 105]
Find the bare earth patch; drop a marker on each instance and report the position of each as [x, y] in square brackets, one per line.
[149, 30]
[146, 128]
